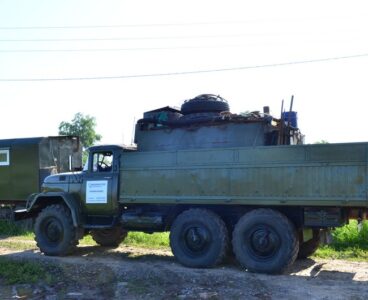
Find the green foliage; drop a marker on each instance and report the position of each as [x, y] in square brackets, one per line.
[348, 243]
[22, 271]
[138, 239]
[8, 228]
[352, 253]
[82, 126]
[155, 240]
[87, 241]
[350, 236]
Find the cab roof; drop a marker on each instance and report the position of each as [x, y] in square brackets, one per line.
[112, 147]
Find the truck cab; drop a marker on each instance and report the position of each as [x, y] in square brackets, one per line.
[73, 204]
[94, 190]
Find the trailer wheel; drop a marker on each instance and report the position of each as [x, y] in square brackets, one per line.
[265, 241]
[307, 248]
[199, 238]
[55, 234]
[111, 237]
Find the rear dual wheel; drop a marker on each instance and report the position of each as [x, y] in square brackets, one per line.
[199, 238]
[265, 241]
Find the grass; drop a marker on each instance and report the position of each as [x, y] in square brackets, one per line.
[17, 245]
[155, 240]
[139, 239]
[10, 229]
[351, 253]
[20, 238]
[22, 271]
[87, 241]
[348, 243]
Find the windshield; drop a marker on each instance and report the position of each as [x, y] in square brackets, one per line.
[102, 161]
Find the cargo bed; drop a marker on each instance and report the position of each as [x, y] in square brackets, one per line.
[315, 175]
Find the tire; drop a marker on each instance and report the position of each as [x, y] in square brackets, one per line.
[199, 238]
[265, 241]
[55, 234]
[205, 103]
[308, 248]
[111, 237]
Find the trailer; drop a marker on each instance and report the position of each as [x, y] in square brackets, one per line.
[26, 162]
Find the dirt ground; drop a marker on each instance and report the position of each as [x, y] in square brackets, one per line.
[95, 272]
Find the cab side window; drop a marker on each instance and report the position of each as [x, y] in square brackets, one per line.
[102, 162]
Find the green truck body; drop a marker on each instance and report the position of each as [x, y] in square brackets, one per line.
[290, 194]
[302, 175]
[267, 204]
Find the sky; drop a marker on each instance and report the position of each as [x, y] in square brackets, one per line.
[271, 50]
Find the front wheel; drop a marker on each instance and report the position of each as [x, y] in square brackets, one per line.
[55, 234]
[110, 237]
[199, 238]
[265, 241]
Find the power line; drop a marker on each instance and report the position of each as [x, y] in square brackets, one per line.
[15, 51]
[256, 20]
[121, 25]
[235, 22]
[205, 36]
[120, 49]
[188, 72]
[135, 38]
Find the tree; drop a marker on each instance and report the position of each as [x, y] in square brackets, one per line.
[82, 126]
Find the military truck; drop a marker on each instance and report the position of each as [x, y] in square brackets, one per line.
[25, 163]
[265, 199]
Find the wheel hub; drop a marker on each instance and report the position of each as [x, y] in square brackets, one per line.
[53, 230]
[197, 239]
[264, 242]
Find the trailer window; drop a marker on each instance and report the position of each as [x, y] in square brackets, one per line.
[4, 158]
[102, 162]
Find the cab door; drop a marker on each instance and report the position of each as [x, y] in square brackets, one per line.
[100, 185]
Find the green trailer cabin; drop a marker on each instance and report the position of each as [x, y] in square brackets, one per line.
[26, 162]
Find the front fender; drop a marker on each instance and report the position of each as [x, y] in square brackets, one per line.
[35, 201]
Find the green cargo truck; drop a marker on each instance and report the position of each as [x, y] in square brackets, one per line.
[265, 203]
